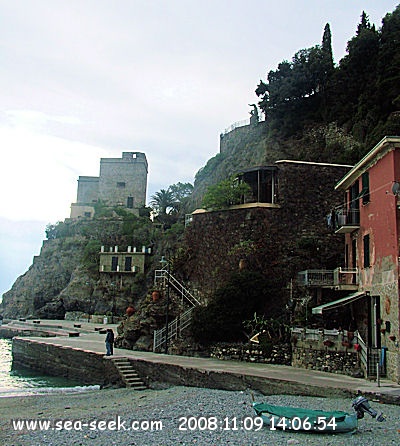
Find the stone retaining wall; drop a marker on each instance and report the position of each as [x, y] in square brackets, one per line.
[327, 353]
[280, 354]
[346, 363]
[79, 365]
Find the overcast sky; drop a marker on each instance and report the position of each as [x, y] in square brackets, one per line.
[85, 79]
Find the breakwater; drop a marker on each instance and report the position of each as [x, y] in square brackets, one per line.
[81, 365]
[90, 367]
[82, 358]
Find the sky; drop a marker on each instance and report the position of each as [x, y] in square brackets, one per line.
[88, 79]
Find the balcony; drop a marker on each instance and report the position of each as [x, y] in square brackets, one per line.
[315, 278]
[346, 221]
[339, 278]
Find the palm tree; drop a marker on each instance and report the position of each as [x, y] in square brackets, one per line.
[162, 200]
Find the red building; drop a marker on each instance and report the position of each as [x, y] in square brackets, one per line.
[370, 222]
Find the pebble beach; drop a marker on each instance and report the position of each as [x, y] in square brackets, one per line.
[176, 416]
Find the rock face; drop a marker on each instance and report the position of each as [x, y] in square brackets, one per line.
[36, 293]
[136, 331]
[57, 283]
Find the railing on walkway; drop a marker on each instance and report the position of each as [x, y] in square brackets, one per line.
[371, 359]
[315, 277]
[235, 125]
[165, 276]
[175, 328]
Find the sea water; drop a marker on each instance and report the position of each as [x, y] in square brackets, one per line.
[20, 382]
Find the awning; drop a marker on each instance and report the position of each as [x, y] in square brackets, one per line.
[338, 303]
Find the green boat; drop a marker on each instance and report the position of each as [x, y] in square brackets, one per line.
[296, 419]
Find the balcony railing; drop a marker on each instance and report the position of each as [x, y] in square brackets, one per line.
[339, 277]
[345, 276]
[315, 277]
[346, 220]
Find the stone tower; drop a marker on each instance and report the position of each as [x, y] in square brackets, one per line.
[122, 182]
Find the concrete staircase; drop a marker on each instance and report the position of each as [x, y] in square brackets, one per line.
[128, 374]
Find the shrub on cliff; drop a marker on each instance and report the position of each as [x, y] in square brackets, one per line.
[226, 193]
[222, 319]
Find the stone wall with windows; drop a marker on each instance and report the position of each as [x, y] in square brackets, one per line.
[123, 181]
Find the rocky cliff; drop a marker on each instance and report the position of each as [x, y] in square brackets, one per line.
[65, 278]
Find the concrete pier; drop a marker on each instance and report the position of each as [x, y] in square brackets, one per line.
[82, 357]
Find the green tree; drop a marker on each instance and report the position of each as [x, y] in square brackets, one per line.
[180, 193]
[353, 97]
[162, 201]
[388, 68]
[327, 49]
[364, 23]
[293, 93]
[90, 256]
[226, 193]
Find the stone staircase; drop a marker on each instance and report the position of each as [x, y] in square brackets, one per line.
[128, 374]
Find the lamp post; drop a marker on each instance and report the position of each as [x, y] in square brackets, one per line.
[163, 263]
[113, 291]
[114, 309]
[89, 285]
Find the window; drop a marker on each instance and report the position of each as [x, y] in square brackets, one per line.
[365, 188]
[128, 263]
[87, 214]
[262, 182]
[353, 217]
[121, 185]
[114, 264]
[366, 251]
[129, 203]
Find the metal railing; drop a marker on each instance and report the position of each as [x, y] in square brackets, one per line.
[235, 125]
[343, 276]
[324, 277]
[371, 359]
[165, 276]
[175, 328]
[347, 216]
[315, 277]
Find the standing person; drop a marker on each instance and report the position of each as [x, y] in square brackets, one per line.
[110, 342]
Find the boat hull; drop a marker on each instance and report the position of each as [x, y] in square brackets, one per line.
[302, 420]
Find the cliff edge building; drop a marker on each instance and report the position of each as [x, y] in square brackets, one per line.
[122, 182]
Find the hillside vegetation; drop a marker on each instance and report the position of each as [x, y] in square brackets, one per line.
[318, 111]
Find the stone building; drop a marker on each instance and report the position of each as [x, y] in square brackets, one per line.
[122, 182]
[123, 262]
